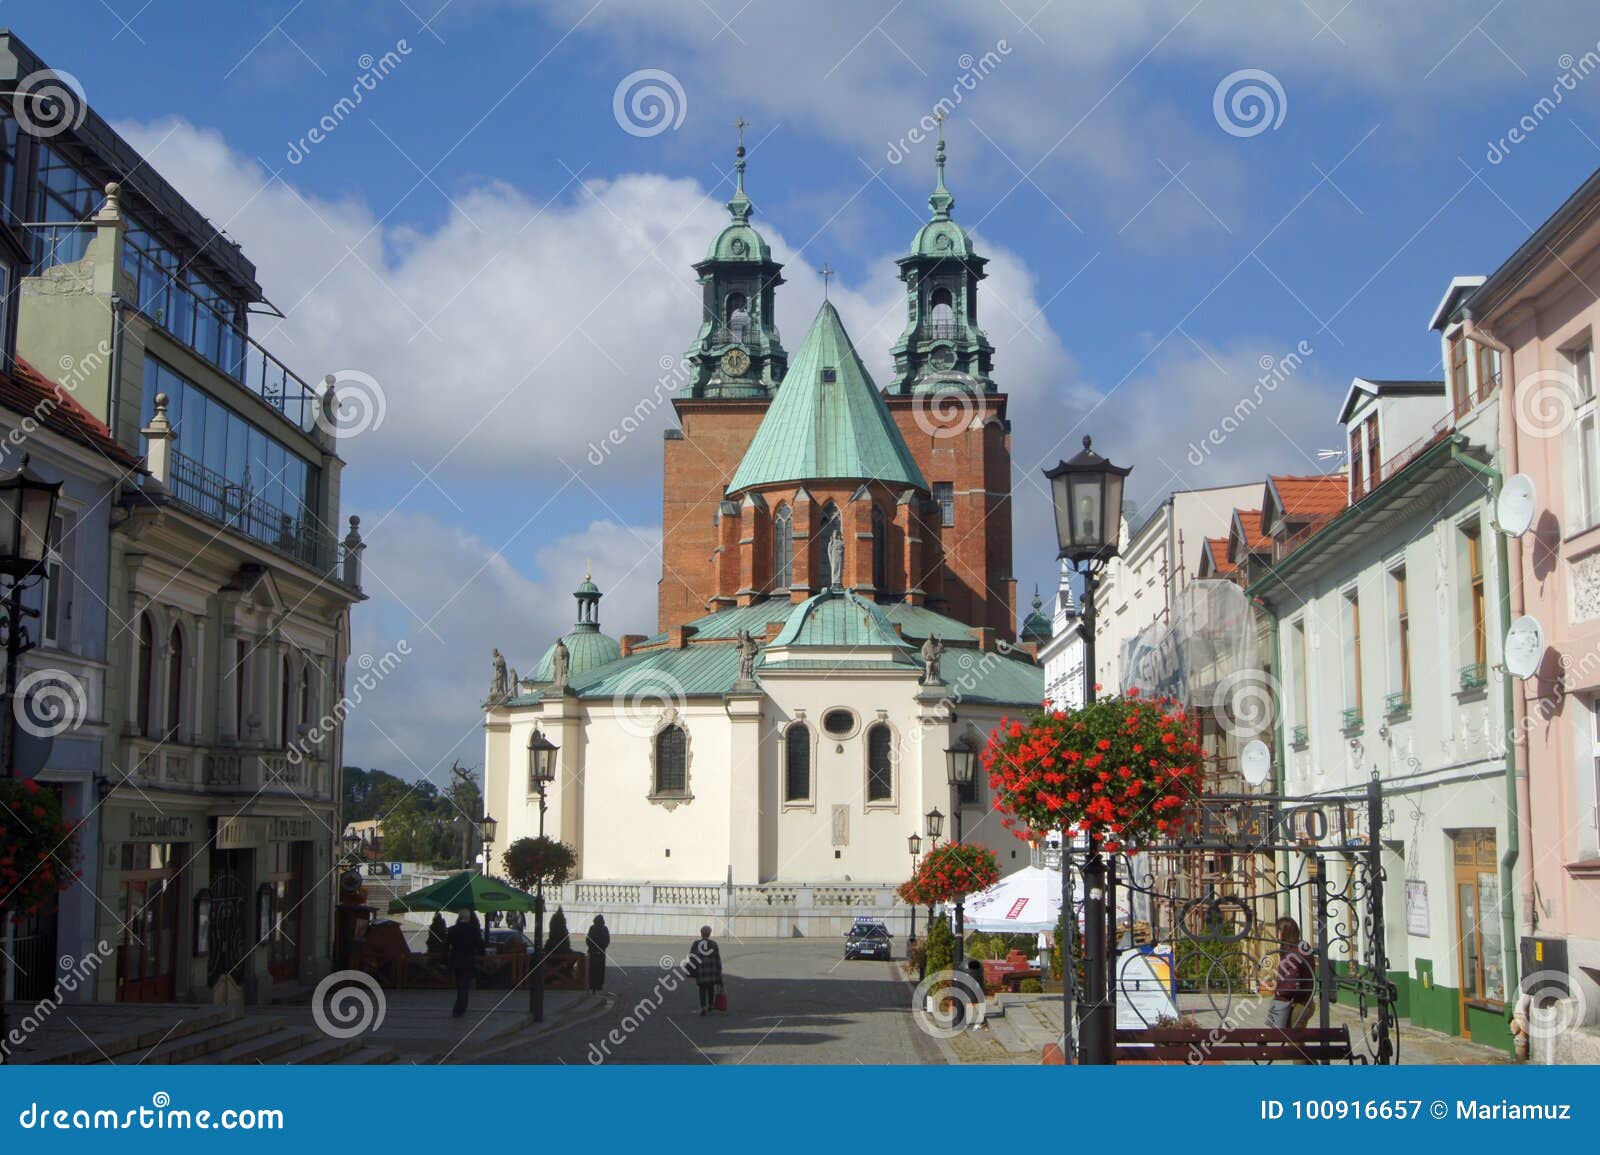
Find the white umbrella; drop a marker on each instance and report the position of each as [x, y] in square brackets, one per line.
[1028, 901]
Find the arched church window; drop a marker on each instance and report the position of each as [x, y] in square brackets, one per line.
[797, 763]
[880, 551]
[880, 764]
[672, 769]
[736, 315]
[782, 549]
[832, 529]
[941, 314]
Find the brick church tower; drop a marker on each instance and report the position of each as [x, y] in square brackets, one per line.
[915, 480]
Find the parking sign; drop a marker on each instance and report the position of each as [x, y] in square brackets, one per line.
[394, 870]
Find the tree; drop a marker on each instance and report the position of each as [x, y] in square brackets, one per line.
[530, 861]
[465, 801]
[941, 944]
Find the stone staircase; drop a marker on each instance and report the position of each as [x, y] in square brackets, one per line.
[226, 1036]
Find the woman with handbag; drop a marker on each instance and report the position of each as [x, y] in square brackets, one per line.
[704, 965]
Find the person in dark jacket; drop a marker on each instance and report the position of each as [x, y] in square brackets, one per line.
[463, 943]
[704, 965]
[597, 940]
[1294, 978]
[436, 935]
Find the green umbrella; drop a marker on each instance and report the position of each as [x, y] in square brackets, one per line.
[468, 890]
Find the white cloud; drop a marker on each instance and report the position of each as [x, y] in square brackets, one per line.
[453, 596]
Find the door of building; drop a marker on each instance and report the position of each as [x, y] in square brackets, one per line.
[284, 913]
[228, 938]
[1479, 954]
[33, 955]
[149, 909]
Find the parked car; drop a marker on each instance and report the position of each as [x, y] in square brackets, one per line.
[868, 939]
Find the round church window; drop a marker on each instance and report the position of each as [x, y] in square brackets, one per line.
[839, 723]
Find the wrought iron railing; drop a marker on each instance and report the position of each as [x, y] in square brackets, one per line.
[229, 503]
[1300, 736]
[940, 330]
[1397, 703]
[1474, 676]
[1352, 718]
[739, 334]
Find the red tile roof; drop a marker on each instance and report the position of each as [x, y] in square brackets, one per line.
[27, 391]
[1254, 540]
[1317, 497]
[1217, 547]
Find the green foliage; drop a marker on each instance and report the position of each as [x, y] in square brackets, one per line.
[917, 953]
[940, 945]
[558, 941]
[1213, 966]
[528, 861]
[420, 822]
[1030, 987]
[983, 945]
[38, 848]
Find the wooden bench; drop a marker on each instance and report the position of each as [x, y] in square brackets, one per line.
[1197, 1045]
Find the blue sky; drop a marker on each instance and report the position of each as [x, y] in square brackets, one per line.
[483, 238]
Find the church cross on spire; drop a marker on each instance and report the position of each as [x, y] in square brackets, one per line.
[826, 274]
[941, 202]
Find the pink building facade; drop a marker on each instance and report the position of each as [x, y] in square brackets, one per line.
[1541, 312]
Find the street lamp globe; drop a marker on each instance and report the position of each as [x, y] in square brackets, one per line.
[541, 760]
[487, 827]
[27, 508]
[935, 823]
[1087, 494]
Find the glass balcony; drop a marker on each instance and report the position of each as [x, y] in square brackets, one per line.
[217, 499]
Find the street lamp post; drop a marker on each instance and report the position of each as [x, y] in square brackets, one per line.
[487, 827]
[935, 821]
[27, 510]
[1087, 494]
[541, 772]
[914, 844]
[960, 766]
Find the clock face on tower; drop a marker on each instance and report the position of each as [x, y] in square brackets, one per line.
[735, 362]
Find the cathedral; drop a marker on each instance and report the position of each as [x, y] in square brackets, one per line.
[836, 615]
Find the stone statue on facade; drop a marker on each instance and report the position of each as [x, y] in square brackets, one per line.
[836, 561]
[748, 649]
[498, 686]
[560, 665]
[932, 649]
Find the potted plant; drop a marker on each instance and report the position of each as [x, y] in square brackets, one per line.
[38, 856]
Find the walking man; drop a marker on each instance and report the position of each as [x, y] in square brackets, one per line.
[597, 940]
[464, 943]
[704, 965]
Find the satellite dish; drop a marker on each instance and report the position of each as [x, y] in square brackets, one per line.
[1524, 647]
[1514, 508]
[1255, 762]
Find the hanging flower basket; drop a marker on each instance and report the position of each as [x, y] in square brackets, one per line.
[1125, 772]
[953, 871]
[38, 851]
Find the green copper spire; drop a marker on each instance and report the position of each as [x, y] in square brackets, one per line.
[941, 202]
[827, 421]
[739, 206]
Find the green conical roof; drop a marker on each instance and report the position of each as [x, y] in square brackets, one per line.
[827, 421]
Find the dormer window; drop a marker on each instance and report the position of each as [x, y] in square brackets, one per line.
[1460, 390]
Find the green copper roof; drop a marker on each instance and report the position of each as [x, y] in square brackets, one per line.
[738, 241]
[839, 618]
[827, 421]
[1036, 626]
[587, 649]
[941, 236]
[695, 671]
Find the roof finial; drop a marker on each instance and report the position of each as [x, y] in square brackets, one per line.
[941, 202]
[826, 273]
[739, 206]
